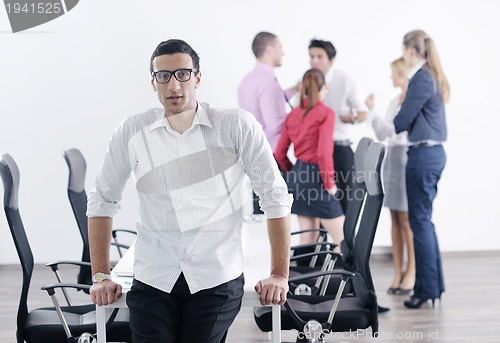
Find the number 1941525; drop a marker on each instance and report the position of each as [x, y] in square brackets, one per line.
[41, 7]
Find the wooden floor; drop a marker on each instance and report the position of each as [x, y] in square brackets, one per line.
[469, 310]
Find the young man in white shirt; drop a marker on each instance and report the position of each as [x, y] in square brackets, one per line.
[346, 100]
[188, 161]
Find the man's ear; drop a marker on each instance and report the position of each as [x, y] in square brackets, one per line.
[198, 80]
[153, 84]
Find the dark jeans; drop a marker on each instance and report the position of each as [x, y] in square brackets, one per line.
[182, 317]
[343, 161]
[423, 172]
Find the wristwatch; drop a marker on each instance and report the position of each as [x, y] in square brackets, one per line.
[100, 277]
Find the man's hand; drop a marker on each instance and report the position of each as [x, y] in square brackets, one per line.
[348, 118]
[105, 292]
[333, 190]
[272, 290]
[370, 101]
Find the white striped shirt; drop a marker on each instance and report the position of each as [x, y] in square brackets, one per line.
[190, 189]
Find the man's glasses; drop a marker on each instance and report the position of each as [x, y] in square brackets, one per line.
[182, 75]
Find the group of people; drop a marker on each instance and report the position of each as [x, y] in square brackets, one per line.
[330, 103]
[189, 159]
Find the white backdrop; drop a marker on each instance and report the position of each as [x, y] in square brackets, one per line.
[69, 83]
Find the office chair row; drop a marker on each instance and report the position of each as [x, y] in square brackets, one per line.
[350, 298]
[340, 296]
[59, 323]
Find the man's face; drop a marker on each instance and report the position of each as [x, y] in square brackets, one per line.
[277, 52]
[319, 60]
[176, 96]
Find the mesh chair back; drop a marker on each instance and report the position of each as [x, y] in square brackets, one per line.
[10, 178]
[371, 213]
[354, 209]
[78, 200]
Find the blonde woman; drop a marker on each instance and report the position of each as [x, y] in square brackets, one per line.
[422, 115]
[395, 182]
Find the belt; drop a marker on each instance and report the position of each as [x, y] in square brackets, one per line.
[424, 144]
[342, 143]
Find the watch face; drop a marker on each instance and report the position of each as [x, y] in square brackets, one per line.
[99, 277]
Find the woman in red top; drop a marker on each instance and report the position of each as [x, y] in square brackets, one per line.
[309, 128]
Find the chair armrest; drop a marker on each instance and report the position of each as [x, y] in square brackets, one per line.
[312, 245]
[114, 231]
[54, 265]
[51, 288]
[345, 275]
[311, 254]
[120, 245]
[309, 230]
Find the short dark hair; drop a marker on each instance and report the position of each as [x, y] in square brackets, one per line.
[174, 46]
[261, 41]
[325, 45]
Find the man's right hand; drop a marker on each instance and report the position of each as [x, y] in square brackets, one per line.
[333, 190]
[105, 292]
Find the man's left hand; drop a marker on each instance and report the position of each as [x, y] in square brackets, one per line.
[272, 290]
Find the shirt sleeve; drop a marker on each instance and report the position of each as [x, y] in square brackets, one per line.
[282, 149]
[256, 157]
[354, 97]
[272, 106]
[104, 198]
[325, 150]
[418, 93]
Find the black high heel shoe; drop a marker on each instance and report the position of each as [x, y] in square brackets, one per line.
[392, 290]
[415, 302]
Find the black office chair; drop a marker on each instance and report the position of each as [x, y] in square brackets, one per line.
[49, 324]
[313, 316]
[352, 218]
[353, 211]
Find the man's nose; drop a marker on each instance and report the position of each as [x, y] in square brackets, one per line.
[173, 84]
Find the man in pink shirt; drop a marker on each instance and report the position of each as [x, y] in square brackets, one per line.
[259, 92]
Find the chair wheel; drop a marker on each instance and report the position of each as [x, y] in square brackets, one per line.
[87, 337]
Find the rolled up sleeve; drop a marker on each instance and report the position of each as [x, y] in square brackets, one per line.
[104, 199]
[256, 157]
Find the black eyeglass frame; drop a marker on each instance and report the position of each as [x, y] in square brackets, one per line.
[174, 72]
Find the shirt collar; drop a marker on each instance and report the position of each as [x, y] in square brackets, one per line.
[329, 75]
[200, 118]
[265, 68]
[417, 68]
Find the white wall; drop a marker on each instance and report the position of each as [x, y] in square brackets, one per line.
[69, 82]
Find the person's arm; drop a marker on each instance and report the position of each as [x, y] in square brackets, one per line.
[419, 91]
[290, 92]
[282, 149]
[355, 101]
[105, 292]
[103, 204]
[384, 127]
[325, 151]
[256, 158]
[272, 105]
[273, 289]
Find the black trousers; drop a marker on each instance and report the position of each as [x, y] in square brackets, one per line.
[182, 317]
[343, 159]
